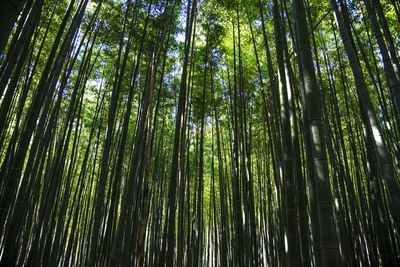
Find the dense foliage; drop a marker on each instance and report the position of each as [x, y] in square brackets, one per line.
[199, 133]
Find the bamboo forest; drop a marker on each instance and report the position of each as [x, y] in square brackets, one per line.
[200, 133]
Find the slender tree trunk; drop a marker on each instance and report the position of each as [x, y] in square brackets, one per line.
[328, 244]
[9, 11]
[385, 162]
[191, 11]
